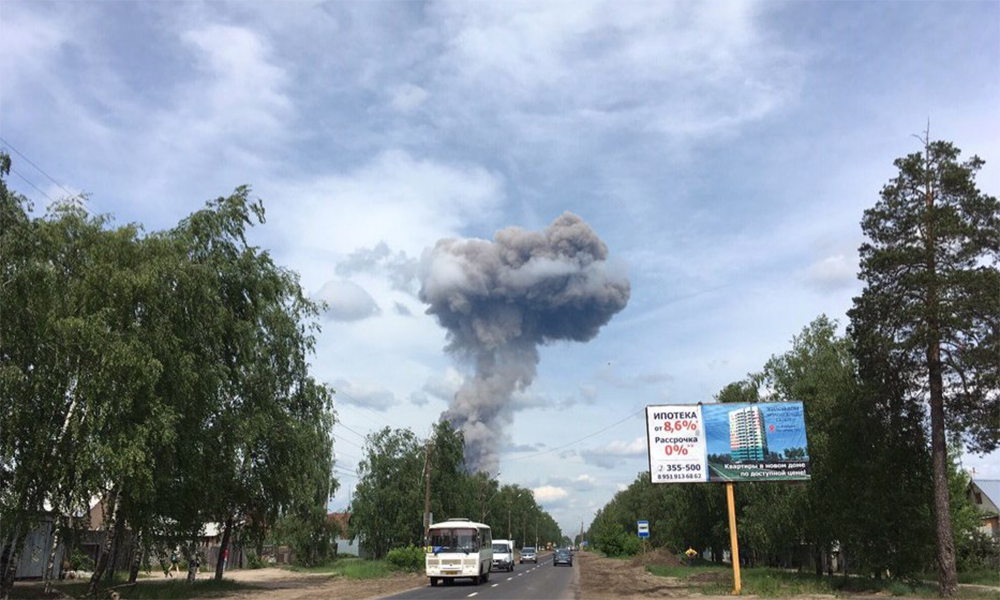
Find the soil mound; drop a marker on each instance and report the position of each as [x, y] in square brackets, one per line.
[660, 556]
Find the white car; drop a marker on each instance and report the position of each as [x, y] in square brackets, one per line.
[503, 555]
[529, 554]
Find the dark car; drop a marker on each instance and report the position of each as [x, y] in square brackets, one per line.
[562, 557]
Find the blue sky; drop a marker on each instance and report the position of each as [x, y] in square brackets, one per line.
[724, 151]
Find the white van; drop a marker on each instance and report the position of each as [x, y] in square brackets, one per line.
[503, 555]
[459, 548]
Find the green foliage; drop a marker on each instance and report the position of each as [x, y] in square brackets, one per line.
[253, 561]
[387, 505]
[410, 558]
[80, 561]
[166, 372]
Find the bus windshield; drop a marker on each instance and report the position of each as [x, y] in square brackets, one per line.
[454, 540]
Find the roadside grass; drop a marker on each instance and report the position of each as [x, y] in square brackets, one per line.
[350, 568]
[981, 577]
[143, 590]
[776, 583]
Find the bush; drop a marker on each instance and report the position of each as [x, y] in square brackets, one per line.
[254, 561]
[410, 558]
[80, 561]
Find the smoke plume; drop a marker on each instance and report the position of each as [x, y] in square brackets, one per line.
[500, 300]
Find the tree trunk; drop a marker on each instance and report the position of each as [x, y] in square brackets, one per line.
[948, 576]
[192, 568]
[819, 560]
[220, 564]
[110, 516]
[10, 558]
[52, 556]
[138, 552]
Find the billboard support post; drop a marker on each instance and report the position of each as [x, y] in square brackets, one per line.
[732, 538]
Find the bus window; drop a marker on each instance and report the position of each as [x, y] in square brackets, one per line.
[455, 540]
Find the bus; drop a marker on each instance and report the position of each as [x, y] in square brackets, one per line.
[459, 548]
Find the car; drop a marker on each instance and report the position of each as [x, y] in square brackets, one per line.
[562, 557]
[529, 554]
[503, 555]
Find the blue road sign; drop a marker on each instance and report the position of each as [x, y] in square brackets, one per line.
[643, 528]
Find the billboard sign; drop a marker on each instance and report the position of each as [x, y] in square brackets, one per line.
[763, 441]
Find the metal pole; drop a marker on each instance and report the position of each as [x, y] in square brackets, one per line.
[732, 539]
[427, 491]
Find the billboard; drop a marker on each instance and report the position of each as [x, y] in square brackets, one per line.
[690, 443]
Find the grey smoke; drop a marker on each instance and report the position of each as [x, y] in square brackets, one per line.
[499, 300]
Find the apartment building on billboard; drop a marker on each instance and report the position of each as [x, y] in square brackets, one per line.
[747, 436]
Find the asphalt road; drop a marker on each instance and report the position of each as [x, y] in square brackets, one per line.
[527, 582]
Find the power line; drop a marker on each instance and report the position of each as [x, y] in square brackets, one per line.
[349, 429]
[586, 437]
[39, 169]
[29, 182]
[346, 441]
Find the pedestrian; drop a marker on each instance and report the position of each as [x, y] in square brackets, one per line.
[225, 559]
[175, 561]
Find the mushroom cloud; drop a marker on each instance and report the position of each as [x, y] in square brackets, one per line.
[500, 300]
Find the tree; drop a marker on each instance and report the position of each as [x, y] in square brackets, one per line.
[931, 292]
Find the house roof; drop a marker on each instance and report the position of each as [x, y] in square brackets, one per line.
[989, 487]
[342, 519]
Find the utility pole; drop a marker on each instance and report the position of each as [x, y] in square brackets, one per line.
[508, 520]
[536, 531]
[427, 490]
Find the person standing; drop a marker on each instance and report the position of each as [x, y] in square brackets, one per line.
[175, 560]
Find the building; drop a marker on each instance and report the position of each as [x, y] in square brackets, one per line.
[345, 545]
[747, 437]
[985, 495]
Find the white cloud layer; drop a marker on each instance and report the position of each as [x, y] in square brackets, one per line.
[346, 301]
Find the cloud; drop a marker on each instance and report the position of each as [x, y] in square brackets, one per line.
[833, 273]
[549, 494]
[407, 97]
[580, 483]
[613, 454]
[393, 199]
[513, 448]
[610, 374]
[444, 386]
[401, 309]
[346, 301]
[364, 397]
[418, 399]
[698, 69]
[400, 269]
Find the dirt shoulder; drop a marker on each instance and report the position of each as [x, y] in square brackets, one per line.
[280, 584]
[612, 579]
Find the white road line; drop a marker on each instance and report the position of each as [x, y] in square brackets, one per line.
[509, 578]
[472, 594]
[495, 584]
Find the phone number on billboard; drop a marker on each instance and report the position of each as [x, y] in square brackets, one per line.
[685, 467]
[679, 477]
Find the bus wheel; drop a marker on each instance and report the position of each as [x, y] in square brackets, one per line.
[434, 581]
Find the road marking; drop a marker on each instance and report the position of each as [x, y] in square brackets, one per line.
[509, 578]
[495, 584]
[472, 594]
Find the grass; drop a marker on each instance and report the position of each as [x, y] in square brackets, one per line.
[981, 577]
[776, 583]
[143, 590]
[350, 568]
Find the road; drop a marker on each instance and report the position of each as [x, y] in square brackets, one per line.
[527, 582]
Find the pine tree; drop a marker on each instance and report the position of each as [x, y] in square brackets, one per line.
[932, 292]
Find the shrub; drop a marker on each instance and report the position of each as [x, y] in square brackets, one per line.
[80, 561]
[254, 561]
[410, 558]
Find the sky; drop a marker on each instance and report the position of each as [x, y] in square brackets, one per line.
[724, 152]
